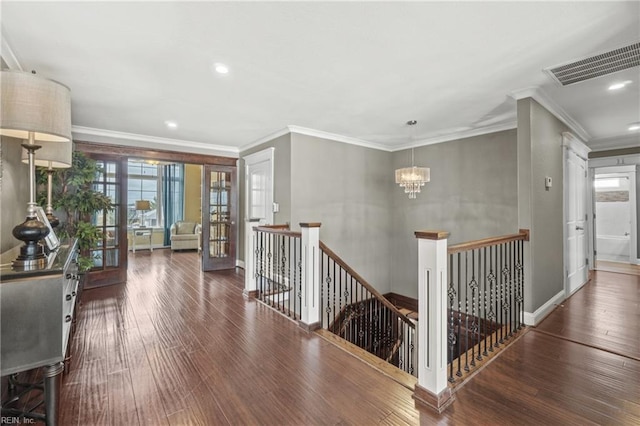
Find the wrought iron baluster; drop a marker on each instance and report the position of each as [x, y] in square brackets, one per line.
[466, 312]
[474, 322]
[484, 300]
[512, 254]
[290, 287]
[294, 286]
[520, 268]
[351, 336]
[459, 337]
[500, 295]
[493, 255]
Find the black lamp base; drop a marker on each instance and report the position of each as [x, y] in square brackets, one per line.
[31, 254]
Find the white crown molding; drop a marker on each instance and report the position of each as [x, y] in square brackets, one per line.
[131, 139]
[619, 142]
[543, 99]
[360, 142]
[8, 55]
[336, 138]
[318, 134]
[265, 139]
[459, 135]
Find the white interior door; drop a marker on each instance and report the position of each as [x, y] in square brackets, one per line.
[259, 187]
[258, 202]
[576, 246]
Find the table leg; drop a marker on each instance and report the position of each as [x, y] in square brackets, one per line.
[52, 392]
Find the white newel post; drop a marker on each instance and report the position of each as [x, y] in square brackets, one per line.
[432, 389]
[250, 287]
[310, 314]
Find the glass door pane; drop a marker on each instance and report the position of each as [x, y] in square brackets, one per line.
[109, 265]
[220, 230]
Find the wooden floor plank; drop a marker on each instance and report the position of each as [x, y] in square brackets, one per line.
[179, 346]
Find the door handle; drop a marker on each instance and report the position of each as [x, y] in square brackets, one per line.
[579, 228]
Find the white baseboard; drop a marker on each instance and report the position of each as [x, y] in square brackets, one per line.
[537, 316]
[240, 263]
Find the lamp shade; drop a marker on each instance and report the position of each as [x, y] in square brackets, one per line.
[34, 104]
[57, 155]
[143, 205]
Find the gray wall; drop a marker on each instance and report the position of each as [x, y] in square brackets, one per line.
[282, 184]
[14, 191]
[472, 195]
[346, 188]
[540, 210]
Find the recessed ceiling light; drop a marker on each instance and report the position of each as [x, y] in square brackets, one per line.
[620, 85]
[171, 124]
[633, 127]
[221, 68]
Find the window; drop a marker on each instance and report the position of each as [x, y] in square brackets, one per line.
[144, 183]
[162, 185]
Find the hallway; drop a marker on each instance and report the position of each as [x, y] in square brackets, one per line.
[178, 346]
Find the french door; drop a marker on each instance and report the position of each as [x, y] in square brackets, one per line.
[110, 253]
[218, 218]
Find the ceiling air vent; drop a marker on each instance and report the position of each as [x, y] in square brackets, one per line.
[598, 65]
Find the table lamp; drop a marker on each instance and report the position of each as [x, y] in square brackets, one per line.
[35, 109]
[143, 205]
[51, 155]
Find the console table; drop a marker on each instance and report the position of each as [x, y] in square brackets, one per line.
[37, 308]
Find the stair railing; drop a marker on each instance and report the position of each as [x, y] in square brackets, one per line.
[298, 275]
[470, 300]
[358, 313]
[277, 259]
[486, 296]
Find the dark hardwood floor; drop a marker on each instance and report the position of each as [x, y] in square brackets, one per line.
[178, 346]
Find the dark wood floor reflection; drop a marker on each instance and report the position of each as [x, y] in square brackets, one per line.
[179, 346]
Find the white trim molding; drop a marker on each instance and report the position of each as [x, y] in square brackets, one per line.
[464, 134]
[91, 134]
[570, 141]
[336, 137]
[240, 263]
[260, 156]
[265, 139]
[619, 142]
[540, 96]
[373, 145]
[544, 310]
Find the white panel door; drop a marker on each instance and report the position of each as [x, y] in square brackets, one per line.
[576, 216]
[258, 203]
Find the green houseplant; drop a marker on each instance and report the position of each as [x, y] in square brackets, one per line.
[74, 197]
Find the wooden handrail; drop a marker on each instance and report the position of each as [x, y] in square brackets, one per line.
[277, 229]
[523, 235]
[375, 293]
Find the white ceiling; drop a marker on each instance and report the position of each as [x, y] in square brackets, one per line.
[359, 70]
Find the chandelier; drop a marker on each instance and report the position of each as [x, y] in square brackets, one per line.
[413, 178]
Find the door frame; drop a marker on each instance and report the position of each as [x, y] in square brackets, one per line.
[631, 171]
[571, 143]
[219, 263]
[125, 152]
[266, 155]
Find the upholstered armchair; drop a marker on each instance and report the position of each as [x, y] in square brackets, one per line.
[186, 236]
